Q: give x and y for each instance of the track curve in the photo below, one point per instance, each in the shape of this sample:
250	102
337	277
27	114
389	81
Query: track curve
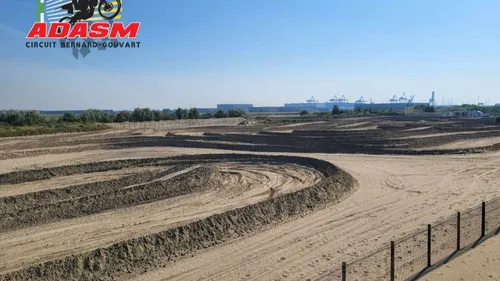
221	196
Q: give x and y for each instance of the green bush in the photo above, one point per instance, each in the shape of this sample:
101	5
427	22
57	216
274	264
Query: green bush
207	115
429	109
321	114
193	113
336	110
304	113
17	131
220	114
235	113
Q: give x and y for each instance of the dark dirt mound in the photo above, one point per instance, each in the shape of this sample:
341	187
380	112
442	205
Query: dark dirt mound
330	137
34	199
47	173
376	142
120	196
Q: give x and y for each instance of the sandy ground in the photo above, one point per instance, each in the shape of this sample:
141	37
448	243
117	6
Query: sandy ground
440	135
417	129
301	124
359	124
242	185
60	182
479	264
470	143
397	195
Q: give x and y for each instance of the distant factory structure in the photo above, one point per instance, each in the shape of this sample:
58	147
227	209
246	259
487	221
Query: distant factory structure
312	104
343	103
226	107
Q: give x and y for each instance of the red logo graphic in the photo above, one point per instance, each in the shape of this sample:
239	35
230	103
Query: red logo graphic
97	30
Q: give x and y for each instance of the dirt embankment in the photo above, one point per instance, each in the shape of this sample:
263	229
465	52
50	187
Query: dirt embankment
34	199
139	254
351	135
14	217
47	173
321	142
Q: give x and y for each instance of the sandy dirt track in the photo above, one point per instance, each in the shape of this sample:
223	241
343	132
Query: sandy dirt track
397	194
480	264
60	182
243	184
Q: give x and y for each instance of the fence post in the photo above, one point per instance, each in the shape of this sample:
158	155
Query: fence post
458	231
483	220
344	271
392	261
429	243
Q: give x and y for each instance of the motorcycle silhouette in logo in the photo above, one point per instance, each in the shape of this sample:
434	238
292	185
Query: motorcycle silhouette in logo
84	9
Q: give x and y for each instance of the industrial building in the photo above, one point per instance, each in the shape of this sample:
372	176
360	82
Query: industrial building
341	101
226	107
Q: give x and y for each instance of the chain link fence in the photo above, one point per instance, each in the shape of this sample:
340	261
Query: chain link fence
410	257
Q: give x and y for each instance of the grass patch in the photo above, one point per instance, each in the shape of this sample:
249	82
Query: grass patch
19	131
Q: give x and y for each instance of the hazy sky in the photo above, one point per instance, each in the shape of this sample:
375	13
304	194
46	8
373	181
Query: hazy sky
266	52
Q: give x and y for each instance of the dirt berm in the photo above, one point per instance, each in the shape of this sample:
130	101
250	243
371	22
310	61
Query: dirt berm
139	254
33	199
47	173
195	181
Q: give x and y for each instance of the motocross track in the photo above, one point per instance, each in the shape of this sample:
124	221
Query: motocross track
146	207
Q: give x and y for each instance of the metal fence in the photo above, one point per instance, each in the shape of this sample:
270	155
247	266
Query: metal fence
408	258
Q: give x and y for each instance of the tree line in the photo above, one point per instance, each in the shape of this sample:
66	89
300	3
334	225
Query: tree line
29	118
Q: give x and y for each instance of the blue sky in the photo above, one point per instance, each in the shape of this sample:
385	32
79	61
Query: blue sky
266	52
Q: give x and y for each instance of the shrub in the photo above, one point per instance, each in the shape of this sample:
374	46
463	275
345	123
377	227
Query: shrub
220	114
193	113
303	113
336	110
70	117
235	113
429	109
123	116
207	115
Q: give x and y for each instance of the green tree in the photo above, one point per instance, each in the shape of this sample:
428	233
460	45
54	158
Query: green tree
123	116
358	109
14	118
70	117
157	115
235	112
170	116
33	118
147	114
207	115
92	116
179	113
107	118
429	109
336	110
304	112
193	113
138	115
220	114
